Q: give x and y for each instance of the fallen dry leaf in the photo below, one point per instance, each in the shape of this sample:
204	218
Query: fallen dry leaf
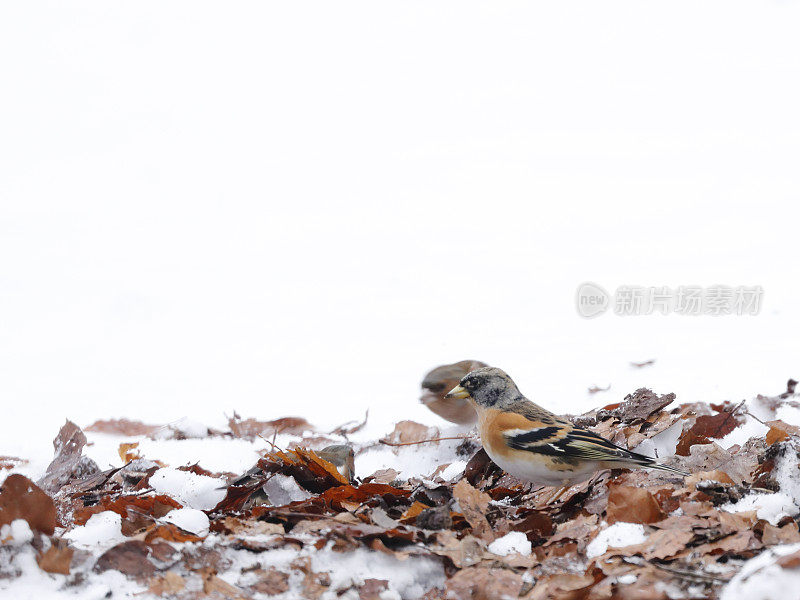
473	504
250	429
632	505
68	445
780	431
20	498
57	558
129	451
168	583
411	431
122	427
130	558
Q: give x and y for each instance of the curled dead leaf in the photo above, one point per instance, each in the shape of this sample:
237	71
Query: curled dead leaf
473	504
632	505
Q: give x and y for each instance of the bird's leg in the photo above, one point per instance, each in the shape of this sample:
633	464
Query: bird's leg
559	491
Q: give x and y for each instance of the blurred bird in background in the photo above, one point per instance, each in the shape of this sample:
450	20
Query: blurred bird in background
442	379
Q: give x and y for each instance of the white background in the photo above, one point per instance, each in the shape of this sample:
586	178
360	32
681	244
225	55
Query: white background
299	208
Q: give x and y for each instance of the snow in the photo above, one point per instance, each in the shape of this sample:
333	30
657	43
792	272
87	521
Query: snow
101	531
189	519
35	583
662	444
190	489
750	428
453	470
419	460
761	579
411	578
618	535
282	489
772	507
783	503
512	542
408	578
186	427
16	533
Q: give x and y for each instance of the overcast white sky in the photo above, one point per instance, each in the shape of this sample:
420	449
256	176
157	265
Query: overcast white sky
299	208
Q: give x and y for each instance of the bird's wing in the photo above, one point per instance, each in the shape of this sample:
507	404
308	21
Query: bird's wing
535	430
531	428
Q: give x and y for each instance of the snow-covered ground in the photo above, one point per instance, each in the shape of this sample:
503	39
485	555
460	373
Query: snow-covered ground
299	209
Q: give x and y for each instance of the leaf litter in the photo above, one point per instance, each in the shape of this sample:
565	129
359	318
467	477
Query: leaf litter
477	534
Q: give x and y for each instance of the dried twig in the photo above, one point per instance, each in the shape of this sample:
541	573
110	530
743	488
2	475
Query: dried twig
439	439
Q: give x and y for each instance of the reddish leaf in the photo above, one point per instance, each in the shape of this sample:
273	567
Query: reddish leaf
20	498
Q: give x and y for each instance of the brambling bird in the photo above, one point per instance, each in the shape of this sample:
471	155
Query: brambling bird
342	457
532	443
441	379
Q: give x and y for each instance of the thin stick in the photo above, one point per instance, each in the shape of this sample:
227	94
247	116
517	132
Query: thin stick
272	443
460	437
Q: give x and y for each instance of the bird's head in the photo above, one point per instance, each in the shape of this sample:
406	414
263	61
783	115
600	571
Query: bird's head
487	387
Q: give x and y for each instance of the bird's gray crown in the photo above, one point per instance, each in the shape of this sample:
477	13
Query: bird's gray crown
490	387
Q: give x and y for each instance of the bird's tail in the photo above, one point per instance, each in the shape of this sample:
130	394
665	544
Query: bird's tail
647	462
668	469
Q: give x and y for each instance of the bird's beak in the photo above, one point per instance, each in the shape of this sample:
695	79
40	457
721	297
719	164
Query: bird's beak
458	392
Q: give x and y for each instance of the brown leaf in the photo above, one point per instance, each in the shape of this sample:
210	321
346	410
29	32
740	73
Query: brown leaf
20	498
214	585
383	476
779	431
122	427
536	525
271	582
57	559
790	561
154	506
410	431
363	492
640	405
463	553
372	589
716	475
168	583
632	505
788	534
412	511
128	451
473	505
741	543
170	533
706	428
11	462
68	445
130	558
661	544
251	428
562	587
484	584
